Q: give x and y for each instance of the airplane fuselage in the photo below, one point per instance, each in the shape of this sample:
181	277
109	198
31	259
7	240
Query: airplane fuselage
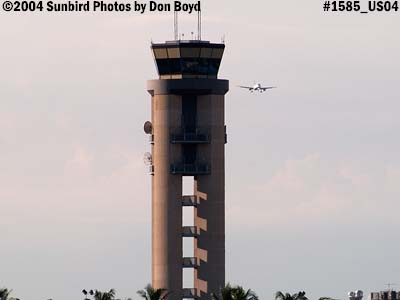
257	87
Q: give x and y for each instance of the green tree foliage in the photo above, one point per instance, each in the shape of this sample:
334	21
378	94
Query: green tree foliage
150	293
286	296
110	295
5	294
229	292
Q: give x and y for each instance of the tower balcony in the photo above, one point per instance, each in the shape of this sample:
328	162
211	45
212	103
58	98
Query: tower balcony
190	231
198	136
190	262
189	293
189	201
190	169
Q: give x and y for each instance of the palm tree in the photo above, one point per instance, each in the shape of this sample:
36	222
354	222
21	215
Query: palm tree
237	292
110	295
226	293
298	296
150	293
4	294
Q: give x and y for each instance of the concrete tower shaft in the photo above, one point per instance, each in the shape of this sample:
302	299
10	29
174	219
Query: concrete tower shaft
209	216
166	193
188	139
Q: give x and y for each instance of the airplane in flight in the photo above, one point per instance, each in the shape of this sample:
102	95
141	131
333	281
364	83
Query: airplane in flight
257	87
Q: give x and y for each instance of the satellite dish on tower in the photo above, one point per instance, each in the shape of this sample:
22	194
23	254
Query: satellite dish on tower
148	159
148	127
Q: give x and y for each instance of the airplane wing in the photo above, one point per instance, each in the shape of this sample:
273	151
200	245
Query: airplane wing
245	87
268	88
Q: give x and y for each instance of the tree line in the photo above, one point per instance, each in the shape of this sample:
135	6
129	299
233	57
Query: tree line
228	292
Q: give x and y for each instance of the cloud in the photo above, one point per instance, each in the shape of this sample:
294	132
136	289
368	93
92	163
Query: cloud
312	190
80	162
108	185
8	126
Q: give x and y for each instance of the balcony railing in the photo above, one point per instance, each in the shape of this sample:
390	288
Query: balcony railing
190	169
190	231
189	201
189	293
197	136
190	262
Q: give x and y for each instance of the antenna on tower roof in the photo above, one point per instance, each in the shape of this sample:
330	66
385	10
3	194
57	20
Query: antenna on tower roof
176	25
390	285
176	30
199	25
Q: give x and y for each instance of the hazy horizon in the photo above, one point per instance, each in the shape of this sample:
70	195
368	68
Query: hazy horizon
312	168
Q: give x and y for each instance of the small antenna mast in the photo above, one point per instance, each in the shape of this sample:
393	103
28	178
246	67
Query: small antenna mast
176	25
199	24
176	28
390	285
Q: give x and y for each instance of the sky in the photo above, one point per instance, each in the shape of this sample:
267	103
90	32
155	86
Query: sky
312	167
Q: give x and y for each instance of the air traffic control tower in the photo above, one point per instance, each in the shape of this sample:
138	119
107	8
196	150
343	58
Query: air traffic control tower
188	137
